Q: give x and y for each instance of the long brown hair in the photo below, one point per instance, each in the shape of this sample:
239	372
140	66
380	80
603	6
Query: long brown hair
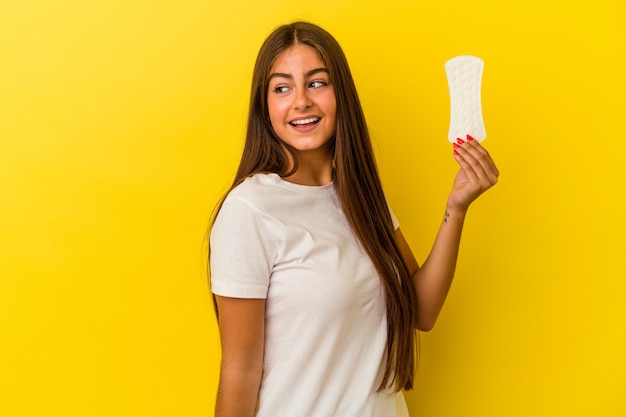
356	180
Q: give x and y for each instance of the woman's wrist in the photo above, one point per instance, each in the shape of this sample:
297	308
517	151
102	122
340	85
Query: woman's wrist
454	213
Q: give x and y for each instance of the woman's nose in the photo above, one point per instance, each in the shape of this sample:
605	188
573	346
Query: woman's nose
302	100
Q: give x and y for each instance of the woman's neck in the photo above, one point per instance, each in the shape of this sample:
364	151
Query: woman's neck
312	170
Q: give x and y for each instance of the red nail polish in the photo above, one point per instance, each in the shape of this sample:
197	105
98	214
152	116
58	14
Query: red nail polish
470	138
460	141
456	146
455	152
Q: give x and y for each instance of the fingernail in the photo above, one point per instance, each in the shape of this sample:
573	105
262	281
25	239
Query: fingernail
456	153
470	138
456	146
461	141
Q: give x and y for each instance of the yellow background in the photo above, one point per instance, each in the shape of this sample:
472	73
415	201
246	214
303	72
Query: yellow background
121	123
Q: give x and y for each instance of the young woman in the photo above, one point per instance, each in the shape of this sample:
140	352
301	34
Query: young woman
317	291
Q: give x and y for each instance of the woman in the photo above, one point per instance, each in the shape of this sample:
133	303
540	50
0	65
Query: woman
317	291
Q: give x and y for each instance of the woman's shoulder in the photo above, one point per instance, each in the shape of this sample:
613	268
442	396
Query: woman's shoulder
254	186
270	193
257	191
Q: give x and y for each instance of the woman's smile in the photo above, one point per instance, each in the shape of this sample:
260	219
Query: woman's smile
306	124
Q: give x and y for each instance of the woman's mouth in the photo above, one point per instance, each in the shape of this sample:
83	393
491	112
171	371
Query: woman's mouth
308	122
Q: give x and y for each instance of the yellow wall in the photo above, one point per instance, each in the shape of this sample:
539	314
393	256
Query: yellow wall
121	123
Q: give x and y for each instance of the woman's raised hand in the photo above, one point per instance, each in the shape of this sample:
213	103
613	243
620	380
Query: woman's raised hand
478	173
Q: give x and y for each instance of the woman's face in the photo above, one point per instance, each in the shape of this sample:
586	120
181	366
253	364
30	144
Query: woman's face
301	100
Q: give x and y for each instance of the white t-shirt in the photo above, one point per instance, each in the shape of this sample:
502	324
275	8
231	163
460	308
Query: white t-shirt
325	334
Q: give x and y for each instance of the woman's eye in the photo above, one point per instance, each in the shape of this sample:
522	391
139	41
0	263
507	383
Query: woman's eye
281	89
317	84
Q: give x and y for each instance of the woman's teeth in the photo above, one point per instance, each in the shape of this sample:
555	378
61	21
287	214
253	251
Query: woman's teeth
305	121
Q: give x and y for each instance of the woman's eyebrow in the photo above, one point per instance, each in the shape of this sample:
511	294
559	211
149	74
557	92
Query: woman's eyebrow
306	75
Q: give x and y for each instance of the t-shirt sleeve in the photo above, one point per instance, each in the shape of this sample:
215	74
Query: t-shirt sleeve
242	251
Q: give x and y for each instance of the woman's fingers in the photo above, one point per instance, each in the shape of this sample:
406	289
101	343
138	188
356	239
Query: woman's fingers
476	162
478	172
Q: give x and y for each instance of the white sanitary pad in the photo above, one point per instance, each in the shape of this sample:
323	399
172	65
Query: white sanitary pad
464	81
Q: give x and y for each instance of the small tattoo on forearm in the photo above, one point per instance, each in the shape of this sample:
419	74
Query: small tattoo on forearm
445	217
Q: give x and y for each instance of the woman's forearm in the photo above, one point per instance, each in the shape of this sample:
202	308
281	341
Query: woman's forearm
433	280
237	392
